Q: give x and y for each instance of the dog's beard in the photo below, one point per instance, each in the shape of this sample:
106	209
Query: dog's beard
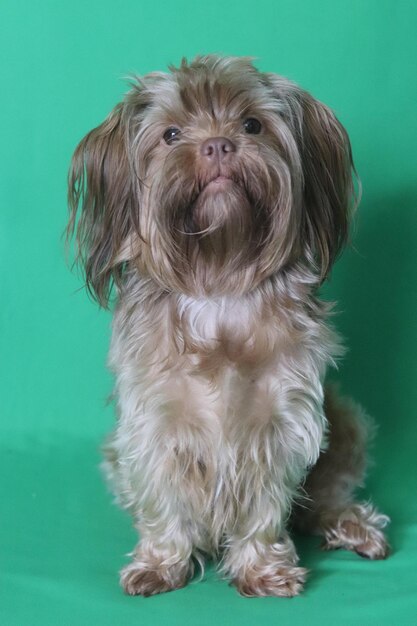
223	224
221	231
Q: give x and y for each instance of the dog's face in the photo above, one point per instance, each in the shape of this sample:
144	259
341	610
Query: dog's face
210	179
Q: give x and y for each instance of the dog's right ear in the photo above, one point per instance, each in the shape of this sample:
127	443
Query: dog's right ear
102	203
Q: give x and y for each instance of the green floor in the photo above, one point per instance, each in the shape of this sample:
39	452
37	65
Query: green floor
63	542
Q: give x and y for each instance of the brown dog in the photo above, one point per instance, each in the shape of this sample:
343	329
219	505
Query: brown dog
216	198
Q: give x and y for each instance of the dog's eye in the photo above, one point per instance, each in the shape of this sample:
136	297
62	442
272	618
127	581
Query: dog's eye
252	126
171	134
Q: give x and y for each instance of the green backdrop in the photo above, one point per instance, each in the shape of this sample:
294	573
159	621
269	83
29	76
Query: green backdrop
62	541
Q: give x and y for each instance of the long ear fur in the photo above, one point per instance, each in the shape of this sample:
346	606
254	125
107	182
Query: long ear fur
328	194
100	190
328	182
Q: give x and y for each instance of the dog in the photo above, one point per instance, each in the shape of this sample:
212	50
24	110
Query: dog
214	200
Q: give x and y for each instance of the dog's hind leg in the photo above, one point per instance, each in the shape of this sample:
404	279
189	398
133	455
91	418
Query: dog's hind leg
330	508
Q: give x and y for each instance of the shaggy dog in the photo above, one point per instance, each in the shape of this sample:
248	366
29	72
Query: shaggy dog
216	199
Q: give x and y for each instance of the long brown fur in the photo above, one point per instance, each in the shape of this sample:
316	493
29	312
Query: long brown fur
216	198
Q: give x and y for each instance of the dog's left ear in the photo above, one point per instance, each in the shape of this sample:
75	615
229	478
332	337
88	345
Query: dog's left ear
101	195
327	166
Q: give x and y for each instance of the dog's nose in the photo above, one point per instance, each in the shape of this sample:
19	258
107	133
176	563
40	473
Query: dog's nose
217	148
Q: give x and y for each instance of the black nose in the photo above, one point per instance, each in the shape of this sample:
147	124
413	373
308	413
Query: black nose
217	148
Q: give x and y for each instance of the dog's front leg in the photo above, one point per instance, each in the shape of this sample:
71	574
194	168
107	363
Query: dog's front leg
164	450
277	436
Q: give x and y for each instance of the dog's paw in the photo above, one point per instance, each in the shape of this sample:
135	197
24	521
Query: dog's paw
283	582
359	529
374	548
137	580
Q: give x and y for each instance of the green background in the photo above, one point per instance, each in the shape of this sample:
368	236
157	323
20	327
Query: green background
62	541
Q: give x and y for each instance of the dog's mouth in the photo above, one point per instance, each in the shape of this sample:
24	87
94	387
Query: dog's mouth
220	181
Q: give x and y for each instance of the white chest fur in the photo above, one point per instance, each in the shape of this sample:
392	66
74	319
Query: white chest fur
244	329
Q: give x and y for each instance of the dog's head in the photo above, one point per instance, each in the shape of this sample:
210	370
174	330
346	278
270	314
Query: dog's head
210	179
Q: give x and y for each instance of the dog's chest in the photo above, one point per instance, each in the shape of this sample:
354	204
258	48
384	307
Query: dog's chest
229	330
